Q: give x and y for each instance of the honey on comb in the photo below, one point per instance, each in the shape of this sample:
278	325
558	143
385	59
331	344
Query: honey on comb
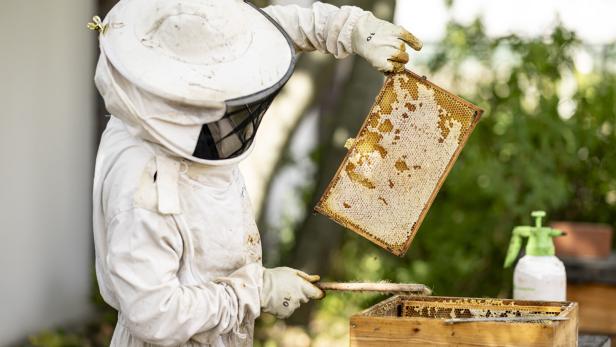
391	174
401	165
369	143
358	178
450	115
388	100
374	119
386	126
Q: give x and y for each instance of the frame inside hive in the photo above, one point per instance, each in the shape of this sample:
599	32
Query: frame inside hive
435	307
448	321
398	161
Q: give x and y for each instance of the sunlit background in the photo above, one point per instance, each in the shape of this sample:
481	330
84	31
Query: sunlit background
544	71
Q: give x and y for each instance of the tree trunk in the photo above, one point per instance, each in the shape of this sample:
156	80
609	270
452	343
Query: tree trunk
343	109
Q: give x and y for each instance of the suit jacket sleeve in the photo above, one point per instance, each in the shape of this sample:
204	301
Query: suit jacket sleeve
322	27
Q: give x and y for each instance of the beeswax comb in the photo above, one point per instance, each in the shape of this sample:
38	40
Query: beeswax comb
399	160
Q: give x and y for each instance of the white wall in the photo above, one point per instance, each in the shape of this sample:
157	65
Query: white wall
47	146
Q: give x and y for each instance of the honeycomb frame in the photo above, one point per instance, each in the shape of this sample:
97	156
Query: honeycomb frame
440	307
459	321
410	117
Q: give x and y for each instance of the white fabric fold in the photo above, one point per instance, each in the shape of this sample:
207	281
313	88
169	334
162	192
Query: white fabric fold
177	279
167	181
322	27
178	252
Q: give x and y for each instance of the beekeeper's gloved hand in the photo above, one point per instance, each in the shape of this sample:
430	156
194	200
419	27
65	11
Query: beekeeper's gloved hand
284	289
382	43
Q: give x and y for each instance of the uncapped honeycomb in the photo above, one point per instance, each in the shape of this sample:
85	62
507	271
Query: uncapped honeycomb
397	163
466	308
448	308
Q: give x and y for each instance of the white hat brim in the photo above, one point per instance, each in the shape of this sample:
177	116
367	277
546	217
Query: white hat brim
266	60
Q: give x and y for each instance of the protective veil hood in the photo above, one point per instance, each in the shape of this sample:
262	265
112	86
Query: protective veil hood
195	76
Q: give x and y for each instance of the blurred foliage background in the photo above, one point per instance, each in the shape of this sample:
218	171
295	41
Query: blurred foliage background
547	140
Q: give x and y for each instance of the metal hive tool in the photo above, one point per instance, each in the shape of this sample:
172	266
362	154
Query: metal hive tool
398	161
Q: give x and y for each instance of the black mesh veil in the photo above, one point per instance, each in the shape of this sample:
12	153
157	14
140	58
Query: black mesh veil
233	134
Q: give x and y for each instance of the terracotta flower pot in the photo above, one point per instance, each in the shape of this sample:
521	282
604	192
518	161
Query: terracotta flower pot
583	240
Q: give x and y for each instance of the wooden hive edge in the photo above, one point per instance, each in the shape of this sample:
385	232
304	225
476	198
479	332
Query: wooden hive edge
378	331
366	330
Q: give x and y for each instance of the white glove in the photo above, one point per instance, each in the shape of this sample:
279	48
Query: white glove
382	43
284	289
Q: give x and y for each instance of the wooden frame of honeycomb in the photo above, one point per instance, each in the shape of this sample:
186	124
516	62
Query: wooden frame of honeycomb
398	161
448	321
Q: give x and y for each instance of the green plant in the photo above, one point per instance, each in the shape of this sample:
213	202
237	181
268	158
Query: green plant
546	141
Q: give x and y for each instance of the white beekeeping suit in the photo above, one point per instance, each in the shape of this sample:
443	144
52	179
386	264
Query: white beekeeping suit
178	253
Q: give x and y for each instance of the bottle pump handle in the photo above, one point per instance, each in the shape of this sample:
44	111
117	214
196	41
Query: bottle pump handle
538	215
540	239
516	244
514	248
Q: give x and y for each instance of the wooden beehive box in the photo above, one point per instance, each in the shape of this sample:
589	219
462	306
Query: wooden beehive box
397	163
423	321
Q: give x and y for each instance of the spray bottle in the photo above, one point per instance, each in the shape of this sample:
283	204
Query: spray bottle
539	275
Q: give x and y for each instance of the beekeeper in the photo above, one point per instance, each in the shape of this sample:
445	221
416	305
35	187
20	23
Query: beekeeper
187	83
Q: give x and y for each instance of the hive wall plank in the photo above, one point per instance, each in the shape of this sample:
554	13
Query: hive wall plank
371	328
597	306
